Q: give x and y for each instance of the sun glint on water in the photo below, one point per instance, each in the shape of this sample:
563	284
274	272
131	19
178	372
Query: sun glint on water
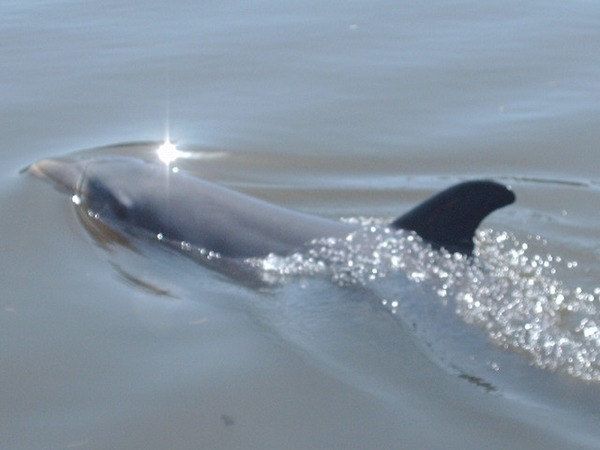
168	152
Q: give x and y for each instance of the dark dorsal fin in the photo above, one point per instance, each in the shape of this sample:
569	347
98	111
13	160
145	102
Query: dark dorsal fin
449	219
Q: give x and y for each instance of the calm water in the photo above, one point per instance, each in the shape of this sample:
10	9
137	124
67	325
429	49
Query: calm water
354	110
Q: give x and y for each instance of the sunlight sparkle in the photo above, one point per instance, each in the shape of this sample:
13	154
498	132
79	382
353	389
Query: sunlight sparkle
168	152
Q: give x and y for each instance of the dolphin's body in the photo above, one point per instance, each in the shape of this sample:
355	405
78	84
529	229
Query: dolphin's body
133	196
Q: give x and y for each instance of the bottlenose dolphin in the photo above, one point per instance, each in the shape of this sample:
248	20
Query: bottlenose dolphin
137	197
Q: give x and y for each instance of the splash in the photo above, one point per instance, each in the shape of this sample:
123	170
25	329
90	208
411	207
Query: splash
506	289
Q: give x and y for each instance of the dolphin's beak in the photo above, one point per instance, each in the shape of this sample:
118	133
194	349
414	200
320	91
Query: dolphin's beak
65	175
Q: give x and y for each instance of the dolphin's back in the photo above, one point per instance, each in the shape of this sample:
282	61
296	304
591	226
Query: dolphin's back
187	209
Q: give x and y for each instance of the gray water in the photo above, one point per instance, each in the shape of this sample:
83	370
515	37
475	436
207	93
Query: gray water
354	110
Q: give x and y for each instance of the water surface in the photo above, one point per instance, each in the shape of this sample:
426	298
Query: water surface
356	110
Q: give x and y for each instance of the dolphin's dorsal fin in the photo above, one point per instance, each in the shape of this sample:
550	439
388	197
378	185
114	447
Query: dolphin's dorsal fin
449	219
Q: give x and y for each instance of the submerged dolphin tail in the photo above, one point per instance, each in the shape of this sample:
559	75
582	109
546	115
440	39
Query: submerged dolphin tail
449	219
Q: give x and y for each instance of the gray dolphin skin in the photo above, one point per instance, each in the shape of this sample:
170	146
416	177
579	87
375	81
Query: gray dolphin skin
138	197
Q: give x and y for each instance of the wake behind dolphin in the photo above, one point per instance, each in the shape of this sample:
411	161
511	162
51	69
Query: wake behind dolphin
135	197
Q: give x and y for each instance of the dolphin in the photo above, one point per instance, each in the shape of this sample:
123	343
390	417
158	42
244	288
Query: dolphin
141	198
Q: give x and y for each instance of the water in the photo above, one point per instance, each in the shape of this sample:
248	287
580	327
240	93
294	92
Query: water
351	110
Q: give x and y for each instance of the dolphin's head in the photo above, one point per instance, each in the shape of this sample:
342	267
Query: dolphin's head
106	186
